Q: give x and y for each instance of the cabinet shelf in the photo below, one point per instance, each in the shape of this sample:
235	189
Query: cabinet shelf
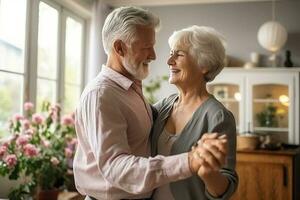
272	129
227	100
266	101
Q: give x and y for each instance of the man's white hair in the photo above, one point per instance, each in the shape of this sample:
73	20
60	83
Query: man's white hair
205	45
121	24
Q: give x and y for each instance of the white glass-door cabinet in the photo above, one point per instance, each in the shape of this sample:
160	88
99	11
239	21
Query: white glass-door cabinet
263	100
229	90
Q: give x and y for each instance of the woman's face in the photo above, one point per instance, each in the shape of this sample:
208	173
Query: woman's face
183	68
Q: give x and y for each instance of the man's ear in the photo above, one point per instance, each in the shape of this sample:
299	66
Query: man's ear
120	47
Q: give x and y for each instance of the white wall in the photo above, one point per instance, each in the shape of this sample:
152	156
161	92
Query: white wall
239	22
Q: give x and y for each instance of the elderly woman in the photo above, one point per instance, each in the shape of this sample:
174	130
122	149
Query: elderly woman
197	56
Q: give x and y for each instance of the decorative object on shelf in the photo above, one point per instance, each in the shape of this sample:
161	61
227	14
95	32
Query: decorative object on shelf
38	151
267	118
220	92
272	36
271	142
249	65
255	58
288	62
152	87
247	142
254	61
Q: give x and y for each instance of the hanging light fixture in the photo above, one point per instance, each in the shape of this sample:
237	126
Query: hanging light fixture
272	36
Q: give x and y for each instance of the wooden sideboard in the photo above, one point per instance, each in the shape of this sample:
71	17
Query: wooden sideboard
268	175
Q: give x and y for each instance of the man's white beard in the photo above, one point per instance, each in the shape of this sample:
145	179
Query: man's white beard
139	72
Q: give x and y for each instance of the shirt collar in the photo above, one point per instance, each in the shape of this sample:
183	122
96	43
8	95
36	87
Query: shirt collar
118	78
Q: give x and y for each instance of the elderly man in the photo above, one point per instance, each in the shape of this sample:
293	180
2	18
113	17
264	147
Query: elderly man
113	120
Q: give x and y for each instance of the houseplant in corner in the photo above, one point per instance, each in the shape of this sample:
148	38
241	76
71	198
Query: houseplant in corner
153	86
38	151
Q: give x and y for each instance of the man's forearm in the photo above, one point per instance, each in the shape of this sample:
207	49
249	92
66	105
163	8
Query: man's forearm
139	175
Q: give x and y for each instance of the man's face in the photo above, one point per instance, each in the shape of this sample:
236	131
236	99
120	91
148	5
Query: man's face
140	53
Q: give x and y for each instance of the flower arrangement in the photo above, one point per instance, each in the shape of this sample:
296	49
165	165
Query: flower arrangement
40	150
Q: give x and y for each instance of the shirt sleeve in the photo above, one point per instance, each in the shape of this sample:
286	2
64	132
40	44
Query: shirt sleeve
224	123
106	131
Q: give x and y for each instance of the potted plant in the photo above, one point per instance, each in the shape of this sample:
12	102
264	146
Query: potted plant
153	86
39	151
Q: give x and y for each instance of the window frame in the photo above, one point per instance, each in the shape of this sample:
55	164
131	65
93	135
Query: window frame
30	74
23	74
31	46
65	14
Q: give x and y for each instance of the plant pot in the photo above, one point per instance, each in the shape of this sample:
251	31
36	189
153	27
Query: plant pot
7	185
48	194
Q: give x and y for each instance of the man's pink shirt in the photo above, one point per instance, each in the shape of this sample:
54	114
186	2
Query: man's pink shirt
113	160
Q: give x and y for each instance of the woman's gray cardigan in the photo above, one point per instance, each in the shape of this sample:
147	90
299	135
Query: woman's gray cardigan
210	117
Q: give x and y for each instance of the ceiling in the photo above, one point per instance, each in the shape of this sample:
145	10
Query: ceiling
116	3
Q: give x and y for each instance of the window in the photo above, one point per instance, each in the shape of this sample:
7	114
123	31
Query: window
12	51
47	54
54	72
73	63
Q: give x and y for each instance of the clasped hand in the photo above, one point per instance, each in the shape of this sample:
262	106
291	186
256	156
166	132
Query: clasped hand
208	156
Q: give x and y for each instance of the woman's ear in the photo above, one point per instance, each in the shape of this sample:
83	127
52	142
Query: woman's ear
119	47
204	70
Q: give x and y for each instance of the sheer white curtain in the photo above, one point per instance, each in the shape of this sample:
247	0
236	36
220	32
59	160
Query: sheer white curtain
97	56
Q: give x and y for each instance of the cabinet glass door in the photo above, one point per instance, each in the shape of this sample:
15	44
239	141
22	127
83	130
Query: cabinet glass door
271	108
230	96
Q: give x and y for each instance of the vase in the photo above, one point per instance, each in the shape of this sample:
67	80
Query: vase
48	194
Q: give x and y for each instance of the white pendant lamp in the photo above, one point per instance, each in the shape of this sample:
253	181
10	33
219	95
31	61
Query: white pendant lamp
272	36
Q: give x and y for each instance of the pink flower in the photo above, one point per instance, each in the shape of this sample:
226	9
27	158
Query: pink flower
68	152
26	124
28	106
37	118
54	161
29	131
23	139
30	150
74	141
7	142
17	117
11	160
45	143
67	120
3	150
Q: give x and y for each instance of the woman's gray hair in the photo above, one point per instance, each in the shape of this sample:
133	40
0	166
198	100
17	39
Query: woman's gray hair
121	24
205	45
